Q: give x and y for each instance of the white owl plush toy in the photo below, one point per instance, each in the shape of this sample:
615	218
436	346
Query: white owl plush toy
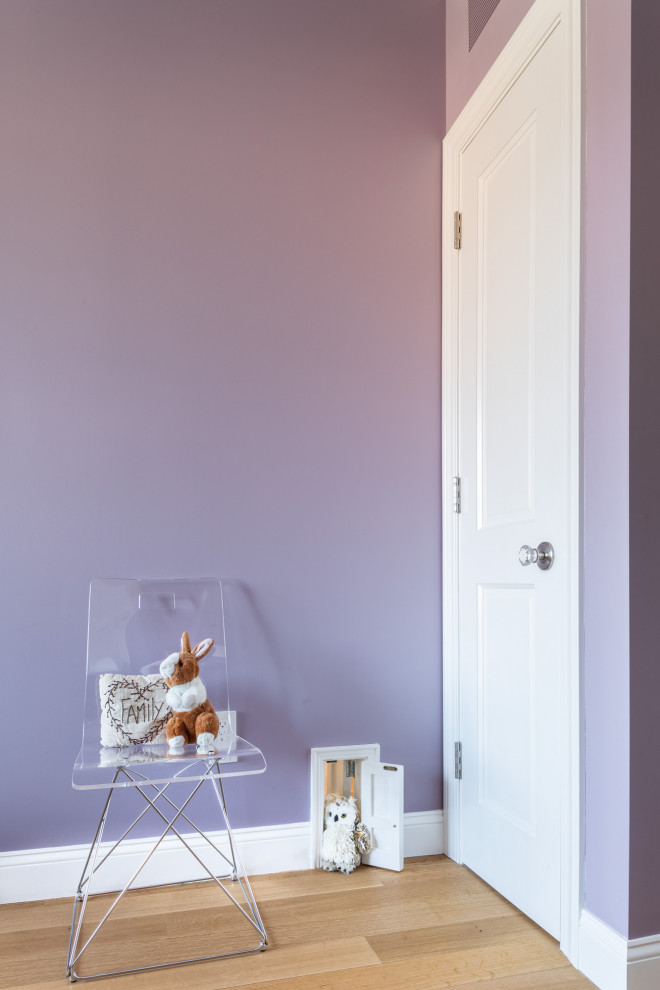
344	838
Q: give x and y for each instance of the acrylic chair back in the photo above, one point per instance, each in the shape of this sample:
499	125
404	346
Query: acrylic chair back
134	624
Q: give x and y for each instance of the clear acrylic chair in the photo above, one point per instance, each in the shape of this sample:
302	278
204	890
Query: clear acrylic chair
134	625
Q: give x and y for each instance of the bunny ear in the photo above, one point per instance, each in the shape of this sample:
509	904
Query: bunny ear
202	649
185	643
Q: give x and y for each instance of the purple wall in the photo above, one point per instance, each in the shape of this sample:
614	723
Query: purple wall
220	316
606	294
644	475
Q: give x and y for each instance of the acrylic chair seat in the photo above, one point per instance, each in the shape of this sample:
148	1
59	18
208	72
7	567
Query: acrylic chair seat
133	625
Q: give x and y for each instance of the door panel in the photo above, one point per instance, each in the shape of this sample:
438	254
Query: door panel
506	220
506	703
512	411
382	813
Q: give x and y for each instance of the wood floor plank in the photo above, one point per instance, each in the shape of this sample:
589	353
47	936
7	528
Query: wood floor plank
504	930
34	915
566	978
310	882
432	972
281	966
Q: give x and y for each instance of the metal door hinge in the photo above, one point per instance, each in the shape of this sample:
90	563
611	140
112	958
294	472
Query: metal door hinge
457	494
458	761
458	230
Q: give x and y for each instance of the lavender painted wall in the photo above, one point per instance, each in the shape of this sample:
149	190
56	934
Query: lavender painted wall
606	294
220	326
644	475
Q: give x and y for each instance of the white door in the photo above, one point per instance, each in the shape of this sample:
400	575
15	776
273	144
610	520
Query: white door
381	796
513	465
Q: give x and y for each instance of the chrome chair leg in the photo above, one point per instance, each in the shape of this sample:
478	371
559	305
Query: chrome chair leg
250	911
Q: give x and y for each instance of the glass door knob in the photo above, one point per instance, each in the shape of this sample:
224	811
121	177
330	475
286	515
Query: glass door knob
543	556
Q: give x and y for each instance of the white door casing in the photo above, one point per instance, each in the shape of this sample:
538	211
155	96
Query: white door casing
380	789
319	756
511	432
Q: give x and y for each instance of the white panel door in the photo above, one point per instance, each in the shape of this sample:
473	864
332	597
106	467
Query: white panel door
512	412
381	796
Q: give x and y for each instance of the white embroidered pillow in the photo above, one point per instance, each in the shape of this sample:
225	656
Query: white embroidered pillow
133	709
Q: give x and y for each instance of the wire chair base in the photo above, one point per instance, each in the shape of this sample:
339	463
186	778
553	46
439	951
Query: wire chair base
171	816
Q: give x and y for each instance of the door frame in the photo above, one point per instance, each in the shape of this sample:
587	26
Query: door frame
544	17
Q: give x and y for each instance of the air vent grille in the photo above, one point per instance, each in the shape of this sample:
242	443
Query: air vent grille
479	12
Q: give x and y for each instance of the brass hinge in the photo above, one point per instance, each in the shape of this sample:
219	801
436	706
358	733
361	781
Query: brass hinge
457	494
458	761
458	230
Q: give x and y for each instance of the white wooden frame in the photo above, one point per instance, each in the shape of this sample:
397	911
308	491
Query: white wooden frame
320	755
544	17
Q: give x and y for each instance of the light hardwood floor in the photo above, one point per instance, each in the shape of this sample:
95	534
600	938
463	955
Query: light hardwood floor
433	925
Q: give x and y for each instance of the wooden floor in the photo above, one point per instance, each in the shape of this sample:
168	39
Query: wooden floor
433	925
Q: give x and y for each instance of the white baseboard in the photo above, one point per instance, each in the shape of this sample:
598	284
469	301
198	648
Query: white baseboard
423	833
614	963
39	874
602	953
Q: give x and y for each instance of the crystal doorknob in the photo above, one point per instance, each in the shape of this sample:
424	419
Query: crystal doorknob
543	556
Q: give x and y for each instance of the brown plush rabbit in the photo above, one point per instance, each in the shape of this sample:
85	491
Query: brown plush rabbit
193	716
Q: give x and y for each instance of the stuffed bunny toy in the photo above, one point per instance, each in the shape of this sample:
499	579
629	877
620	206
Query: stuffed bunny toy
193	716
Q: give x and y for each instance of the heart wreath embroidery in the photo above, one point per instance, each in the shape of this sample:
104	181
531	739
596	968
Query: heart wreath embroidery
133	709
